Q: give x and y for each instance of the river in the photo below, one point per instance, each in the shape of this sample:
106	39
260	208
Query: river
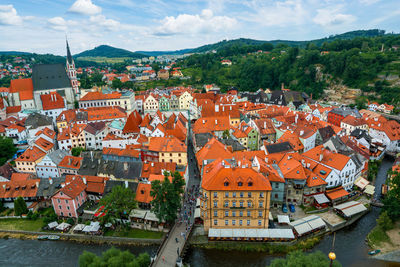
350	247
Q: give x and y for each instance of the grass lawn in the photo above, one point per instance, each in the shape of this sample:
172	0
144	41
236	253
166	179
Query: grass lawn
135	233
376	236
21	224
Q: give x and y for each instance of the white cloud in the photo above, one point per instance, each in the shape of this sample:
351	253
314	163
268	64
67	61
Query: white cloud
281	13
57	23
330	17
9	16
103	22
368	2
85	7
200	23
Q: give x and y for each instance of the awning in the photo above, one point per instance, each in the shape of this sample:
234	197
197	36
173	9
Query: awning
251	233
52	225
138	213
336	193
283	219
361	182
79	227
308	224
150	216
63	226
351	208
369	189
197	213
321	198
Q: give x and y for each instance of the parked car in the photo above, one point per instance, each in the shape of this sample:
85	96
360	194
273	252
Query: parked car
284	208
291	208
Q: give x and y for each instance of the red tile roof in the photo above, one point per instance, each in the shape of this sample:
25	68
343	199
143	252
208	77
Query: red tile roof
22	86
217	177
71	162
73	188
14	189
133	122
336	193
166	144
143	193
100	96
31	154
52	100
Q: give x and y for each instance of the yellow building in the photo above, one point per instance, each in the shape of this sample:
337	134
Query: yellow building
28	160
78	135
169	149
233	195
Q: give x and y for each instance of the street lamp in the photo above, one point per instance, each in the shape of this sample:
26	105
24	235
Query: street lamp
332	257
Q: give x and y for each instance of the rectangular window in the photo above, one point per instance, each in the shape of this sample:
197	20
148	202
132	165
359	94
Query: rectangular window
215	204
226	194
249	204
234	204
233	222
241	194
259	223
260	204
241	213
259	213
248	222
226	222
249	194
234	194
261	194
233	213
226	213
215	222
241	204
248	213
215	194
215	213
226	204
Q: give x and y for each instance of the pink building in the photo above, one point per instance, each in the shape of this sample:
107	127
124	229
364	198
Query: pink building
69	198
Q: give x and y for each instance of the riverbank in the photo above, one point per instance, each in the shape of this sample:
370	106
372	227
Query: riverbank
84	239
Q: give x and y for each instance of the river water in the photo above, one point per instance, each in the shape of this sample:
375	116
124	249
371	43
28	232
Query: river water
350	247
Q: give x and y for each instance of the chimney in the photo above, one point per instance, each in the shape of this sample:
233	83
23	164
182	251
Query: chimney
239	163
84	180
223	108
37	184
265	125
321	157
204	121
55	97
152	164
230	107
126	184
125	166
216	122
50	181
4	186
51	96
217	108
301	132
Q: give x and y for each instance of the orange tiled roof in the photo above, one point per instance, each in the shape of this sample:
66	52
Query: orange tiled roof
17	177
336	193
217	177
211	124
212	150
44	144
351	120
129	151
14	109
52	101
327	157
132	123
14	189
105	113
73	188
22	86
94	184
71	162
143	193
100	96
166	144
157	168
31	154
48	132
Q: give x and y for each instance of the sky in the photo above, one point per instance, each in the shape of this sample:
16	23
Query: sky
41	26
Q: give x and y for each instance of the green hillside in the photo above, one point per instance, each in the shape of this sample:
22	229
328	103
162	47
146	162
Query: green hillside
108	51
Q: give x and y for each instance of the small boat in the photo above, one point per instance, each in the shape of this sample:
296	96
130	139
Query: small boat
42	237
374	252
53	237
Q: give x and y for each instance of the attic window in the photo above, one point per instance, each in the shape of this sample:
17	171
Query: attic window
240	184
142	192
226	183
250	183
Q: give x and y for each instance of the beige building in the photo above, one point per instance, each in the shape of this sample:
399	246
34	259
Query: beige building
169	149
150	104
233	195
29	159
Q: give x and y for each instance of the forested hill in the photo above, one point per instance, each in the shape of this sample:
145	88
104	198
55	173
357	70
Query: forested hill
356	63
108	51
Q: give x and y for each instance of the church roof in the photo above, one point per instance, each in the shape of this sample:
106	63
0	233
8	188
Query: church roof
49	76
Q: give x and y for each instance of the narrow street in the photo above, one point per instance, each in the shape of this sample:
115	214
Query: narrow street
172	248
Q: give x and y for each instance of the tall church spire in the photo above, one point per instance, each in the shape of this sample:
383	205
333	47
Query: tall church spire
69	56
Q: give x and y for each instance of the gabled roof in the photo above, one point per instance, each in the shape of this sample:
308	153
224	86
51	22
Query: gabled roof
100	96
22	86
157	168
50	76
132	123
44	144
211	124
31	154
71	162
212	150
166	144
217	176
52	100
95	127
143	193
73	187
327	157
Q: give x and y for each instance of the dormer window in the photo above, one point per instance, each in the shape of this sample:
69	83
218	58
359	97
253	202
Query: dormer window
240	184
226	183
250	184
